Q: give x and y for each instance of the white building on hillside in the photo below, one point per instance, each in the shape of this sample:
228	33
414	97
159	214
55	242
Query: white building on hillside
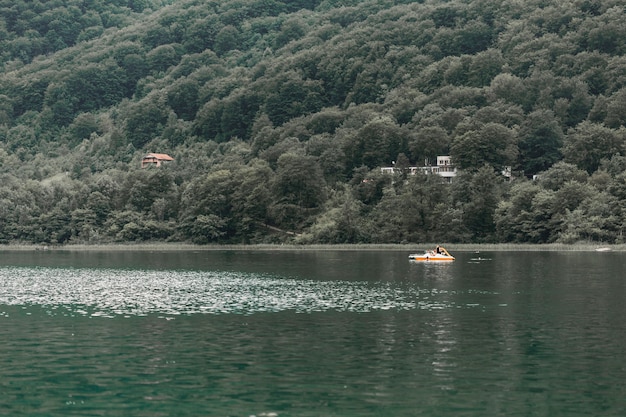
444	168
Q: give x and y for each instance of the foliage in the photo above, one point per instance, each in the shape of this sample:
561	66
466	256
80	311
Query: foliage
280	114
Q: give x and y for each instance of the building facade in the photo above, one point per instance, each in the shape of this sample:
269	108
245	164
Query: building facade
444	168
155	159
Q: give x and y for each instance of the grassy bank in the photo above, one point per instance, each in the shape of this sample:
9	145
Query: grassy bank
456	247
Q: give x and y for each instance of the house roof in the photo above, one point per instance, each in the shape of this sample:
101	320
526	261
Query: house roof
160	156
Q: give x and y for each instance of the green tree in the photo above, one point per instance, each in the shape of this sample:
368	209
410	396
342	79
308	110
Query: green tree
367	185
251	198
478	195
340	222
100	205
206	204
162	57
298	188
292	29
146	186
145	120
226	40
289	96
616	110
429	142
299	180
182	97
484	67
514	216
375	144
325	121
595	219
560	174
492	144
540	141
96	86
409	209
330	155
206	228
54	226
82	127
237	115
60	105
201	33
6	110
372	82
393	219
207	123
542	228
135	67
589	143
512	89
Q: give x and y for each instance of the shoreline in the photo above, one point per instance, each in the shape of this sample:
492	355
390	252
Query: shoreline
458	247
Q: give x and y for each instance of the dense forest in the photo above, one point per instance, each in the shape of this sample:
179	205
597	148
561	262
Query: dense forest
280	114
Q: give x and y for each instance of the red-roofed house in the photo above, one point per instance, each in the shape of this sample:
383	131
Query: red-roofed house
155	159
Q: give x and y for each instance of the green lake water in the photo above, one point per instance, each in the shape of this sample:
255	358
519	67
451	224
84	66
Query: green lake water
311	333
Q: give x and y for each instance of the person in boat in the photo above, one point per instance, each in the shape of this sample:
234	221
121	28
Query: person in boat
438	250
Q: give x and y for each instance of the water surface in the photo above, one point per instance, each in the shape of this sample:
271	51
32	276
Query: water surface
311	333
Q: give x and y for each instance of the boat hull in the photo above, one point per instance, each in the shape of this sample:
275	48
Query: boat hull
430	258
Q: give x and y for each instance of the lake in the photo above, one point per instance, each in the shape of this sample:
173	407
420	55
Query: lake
311	333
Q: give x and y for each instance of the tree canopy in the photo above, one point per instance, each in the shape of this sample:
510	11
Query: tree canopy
279	115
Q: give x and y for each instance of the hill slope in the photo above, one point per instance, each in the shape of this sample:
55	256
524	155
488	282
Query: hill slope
279	114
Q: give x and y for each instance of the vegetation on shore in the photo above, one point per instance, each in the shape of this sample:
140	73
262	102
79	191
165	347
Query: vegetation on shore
409	248
279	115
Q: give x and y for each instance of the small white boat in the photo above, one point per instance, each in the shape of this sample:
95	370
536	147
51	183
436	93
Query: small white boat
440	254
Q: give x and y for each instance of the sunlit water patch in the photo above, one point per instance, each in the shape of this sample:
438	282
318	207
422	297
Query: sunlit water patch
112	292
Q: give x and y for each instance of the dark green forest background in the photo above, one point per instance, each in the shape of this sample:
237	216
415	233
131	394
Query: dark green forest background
279	115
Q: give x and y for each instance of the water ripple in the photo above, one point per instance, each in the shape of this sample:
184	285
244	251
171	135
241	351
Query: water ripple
113	292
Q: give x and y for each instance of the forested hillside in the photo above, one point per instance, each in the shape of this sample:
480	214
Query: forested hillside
279	115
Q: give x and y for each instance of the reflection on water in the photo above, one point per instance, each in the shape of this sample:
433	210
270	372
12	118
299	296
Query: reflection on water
444	362
110	293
